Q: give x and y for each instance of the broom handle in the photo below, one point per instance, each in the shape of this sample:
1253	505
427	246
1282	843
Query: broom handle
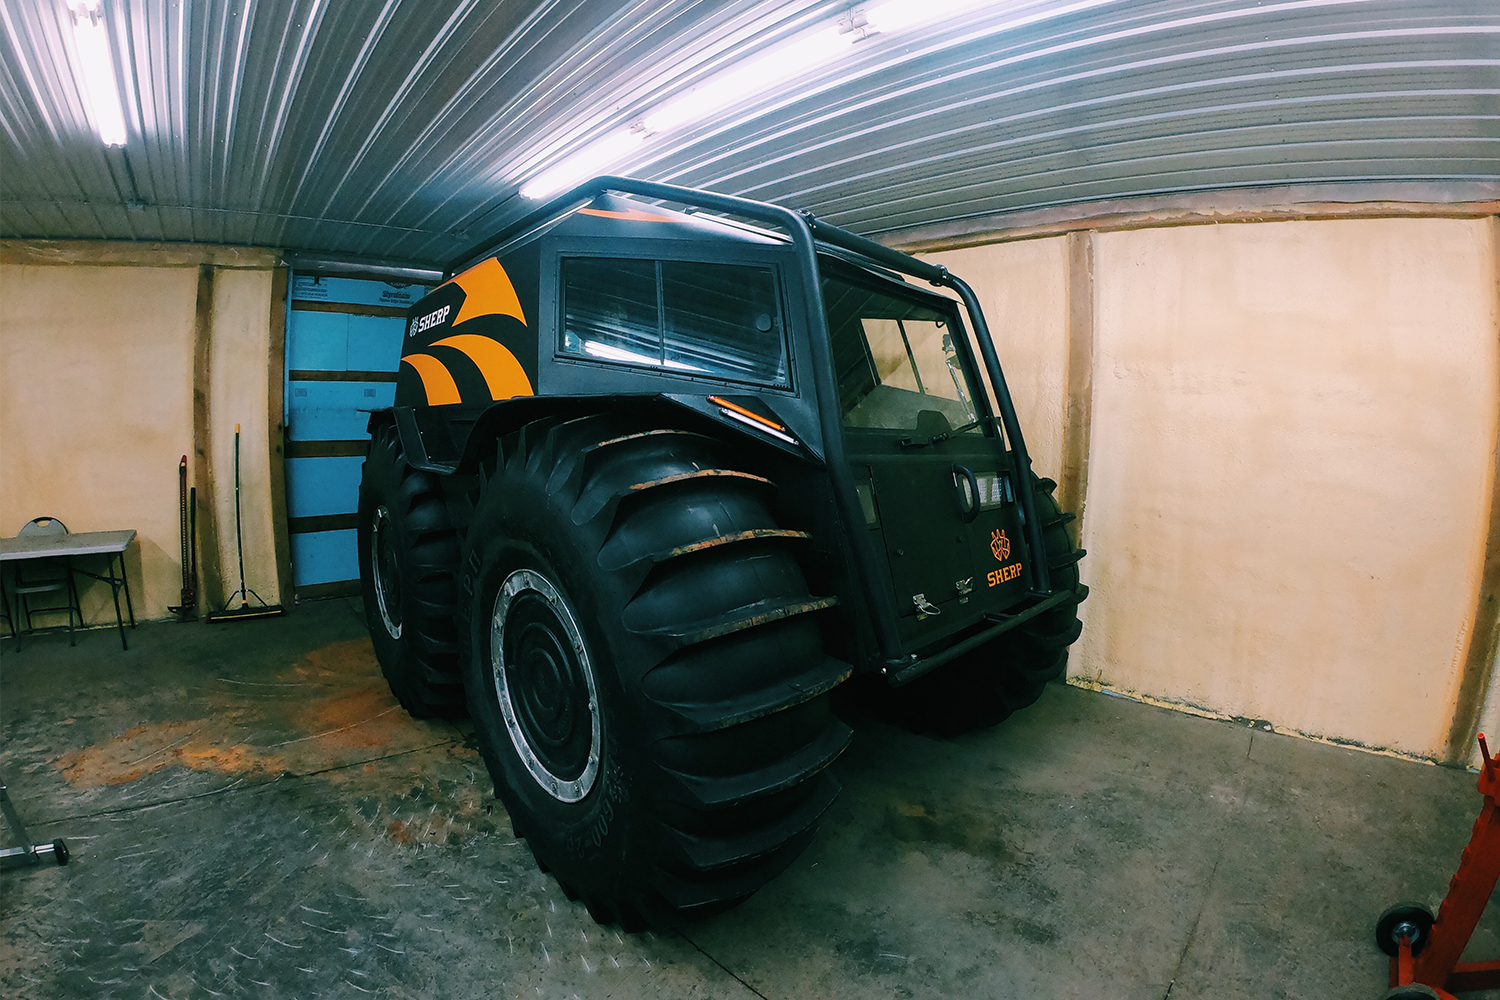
239	537
182	519
192	601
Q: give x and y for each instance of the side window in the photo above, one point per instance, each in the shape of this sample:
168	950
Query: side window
714	320
722	319
610	310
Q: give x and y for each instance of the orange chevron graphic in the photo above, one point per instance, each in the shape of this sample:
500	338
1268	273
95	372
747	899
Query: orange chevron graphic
437	383
487	292
633	215
502	372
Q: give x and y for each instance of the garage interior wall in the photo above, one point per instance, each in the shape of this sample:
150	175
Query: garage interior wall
1290	434
103	352
1280	436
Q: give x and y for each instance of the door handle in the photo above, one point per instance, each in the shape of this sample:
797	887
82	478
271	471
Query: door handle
972	510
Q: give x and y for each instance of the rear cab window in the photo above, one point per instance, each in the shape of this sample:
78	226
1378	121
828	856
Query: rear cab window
688	318
896	361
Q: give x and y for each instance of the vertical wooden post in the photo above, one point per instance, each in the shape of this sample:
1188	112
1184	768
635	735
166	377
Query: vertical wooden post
276	427
211	580
1072	492
1484	636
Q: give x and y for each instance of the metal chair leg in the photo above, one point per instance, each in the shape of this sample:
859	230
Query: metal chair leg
27	853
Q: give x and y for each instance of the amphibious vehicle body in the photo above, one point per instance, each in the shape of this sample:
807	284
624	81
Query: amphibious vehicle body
666	467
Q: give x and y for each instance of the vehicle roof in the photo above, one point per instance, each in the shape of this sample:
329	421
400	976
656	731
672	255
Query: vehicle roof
613	217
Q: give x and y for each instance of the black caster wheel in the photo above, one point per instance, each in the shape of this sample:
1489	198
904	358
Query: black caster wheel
60	851
1409	918
1414	991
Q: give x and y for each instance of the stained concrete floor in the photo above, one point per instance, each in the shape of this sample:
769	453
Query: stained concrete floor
251	815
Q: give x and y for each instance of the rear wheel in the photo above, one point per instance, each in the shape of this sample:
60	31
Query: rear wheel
647	678
408	552
986	685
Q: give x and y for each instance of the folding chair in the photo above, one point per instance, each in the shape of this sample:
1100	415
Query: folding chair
45	576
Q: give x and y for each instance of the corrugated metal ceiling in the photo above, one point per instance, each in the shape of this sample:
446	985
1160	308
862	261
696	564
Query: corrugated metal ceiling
402	129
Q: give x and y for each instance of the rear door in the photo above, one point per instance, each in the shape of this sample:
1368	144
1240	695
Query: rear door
936	483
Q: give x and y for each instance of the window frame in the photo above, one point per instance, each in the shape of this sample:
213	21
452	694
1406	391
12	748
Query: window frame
665	252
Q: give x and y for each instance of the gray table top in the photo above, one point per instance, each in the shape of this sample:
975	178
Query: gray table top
78	543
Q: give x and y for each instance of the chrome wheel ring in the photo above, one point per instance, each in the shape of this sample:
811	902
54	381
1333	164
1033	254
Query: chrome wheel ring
544	681
386	571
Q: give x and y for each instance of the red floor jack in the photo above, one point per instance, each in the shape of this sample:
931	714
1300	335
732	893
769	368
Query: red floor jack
1425	951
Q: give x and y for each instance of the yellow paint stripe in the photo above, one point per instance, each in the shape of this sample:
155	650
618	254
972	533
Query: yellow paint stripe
436	380
502	372
487	292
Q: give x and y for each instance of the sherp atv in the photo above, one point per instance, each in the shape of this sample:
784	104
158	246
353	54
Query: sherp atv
656	481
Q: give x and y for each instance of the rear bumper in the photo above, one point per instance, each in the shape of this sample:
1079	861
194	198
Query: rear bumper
905	671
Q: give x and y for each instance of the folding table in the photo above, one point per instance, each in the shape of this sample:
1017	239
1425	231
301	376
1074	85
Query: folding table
70	546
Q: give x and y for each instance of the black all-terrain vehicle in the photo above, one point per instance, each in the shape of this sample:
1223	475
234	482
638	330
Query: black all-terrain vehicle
656	481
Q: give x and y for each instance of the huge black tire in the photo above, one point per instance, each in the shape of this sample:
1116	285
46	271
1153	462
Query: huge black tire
988	684
408	553
647	675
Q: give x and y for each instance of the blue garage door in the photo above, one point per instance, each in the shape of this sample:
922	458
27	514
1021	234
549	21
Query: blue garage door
343	346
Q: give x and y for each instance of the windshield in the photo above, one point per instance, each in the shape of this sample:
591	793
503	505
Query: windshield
897	365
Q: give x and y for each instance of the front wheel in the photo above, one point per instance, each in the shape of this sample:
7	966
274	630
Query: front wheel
647	675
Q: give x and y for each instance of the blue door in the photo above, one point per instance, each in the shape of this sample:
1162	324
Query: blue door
343	347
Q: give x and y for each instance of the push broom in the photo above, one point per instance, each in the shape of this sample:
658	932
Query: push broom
246	610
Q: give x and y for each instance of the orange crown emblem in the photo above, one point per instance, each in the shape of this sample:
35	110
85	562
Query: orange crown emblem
1000	545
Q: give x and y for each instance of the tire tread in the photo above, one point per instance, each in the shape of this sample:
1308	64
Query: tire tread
665	508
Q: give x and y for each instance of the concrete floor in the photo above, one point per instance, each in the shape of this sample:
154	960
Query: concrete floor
251	815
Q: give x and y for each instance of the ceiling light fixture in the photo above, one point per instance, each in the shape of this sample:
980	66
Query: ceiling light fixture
752	77
757	75
898	15
97	68
588	161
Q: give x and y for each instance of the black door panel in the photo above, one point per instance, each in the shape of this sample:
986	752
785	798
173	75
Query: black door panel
925	538
962	561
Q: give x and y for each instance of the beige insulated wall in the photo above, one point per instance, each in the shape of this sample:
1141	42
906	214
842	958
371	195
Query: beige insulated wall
96	377
102	355
1289	475
1023	288
241	345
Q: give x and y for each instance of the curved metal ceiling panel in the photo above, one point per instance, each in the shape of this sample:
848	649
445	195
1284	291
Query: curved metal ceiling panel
402	129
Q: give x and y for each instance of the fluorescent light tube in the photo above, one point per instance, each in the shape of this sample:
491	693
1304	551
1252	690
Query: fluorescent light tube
97	69
896	15
583	164
752	77
758	74
762	73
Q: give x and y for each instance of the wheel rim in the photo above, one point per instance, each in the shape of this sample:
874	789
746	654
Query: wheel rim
545	684
386	571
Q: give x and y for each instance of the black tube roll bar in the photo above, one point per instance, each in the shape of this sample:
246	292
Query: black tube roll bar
939	275
805	232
